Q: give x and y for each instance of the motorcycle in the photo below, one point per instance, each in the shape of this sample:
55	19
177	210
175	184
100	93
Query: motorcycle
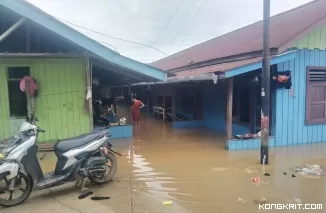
86	156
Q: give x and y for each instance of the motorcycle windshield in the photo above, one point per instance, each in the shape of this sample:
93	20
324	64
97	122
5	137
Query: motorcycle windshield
25	127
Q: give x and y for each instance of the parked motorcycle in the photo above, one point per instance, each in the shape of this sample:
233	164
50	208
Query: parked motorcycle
86	156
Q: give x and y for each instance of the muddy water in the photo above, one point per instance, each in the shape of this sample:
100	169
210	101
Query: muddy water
192	169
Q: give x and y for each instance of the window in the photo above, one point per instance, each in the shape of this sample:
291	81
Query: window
316	92
17	98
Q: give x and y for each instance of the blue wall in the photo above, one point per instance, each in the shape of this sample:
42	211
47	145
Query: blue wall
290	110
215	110
214	97
125	131
181	111
188	124
254	143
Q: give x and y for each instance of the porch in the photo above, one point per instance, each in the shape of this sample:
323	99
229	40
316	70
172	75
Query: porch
229	104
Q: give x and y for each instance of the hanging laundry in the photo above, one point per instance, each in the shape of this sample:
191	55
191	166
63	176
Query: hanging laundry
282	79
32	85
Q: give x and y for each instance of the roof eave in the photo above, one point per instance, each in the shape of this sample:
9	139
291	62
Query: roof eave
31	12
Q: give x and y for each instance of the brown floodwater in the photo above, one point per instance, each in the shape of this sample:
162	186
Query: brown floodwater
192	169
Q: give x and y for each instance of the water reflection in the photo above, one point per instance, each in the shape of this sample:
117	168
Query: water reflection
154	181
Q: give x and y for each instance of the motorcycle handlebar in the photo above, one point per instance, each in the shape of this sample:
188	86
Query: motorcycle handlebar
40	130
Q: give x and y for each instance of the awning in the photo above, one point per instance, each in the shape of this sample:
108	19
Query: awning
177	79
225	70
235	68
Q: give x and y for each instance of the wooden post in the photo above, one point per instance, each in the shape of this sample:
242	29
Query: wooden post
174	106
229	108
89	88
128	104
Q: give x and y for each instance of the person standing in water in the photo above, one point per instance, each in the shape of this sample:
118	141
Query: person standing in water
135	109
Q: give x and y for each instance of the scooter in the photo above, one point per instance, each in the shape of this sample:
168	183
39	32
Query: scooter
86	156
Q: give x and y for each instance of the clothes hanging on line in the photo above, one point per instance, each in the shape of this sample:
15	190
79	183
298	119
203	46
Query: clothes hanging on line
282	79
32	85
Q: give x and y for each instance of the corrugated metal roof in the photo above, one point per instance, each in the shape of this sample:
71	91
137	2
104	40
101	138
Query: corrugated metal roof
284	28
218	67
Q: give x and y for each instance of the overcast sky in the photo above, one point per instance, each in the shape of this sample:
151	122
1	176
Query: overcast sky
168	25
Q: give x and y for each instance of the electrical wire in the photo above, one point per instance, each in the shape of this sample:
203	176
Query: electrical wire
246	10
193	22
120	39
168	22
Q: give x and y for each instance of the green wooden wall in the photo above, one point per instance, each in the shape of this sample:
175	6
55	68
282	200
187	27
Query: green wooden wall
314	40
60	104
4	106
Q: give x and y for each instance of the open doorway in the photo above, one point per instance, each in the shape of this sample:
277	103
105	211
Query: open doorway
110	104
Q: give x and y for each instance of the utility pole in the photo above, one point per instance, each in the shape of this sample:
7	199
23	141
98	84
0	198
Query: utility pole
265	86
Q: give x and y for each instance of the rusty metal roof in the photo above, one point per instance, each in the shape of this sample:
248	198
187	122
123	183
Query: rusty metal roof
228	69
285	28
218	67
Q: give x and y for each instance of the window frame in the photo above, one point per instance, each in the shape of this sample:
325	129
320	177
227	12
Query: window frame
308	121
16	79
237	102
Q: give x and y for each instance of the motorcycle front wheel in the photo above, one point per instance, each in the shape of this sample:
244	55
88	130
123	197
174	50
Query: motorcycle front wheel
20	192
111	169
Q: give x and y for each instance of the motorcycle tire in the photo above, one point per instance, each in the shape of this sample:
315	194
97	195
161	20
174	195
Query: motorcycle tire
23	197
113	168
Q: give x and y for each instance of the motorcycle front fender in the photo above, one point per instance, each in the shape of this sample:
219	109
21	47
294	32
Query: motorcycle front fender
9	169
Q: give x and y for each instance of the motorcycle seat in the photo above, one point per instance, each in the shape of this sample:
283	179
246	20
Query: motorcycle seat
76	142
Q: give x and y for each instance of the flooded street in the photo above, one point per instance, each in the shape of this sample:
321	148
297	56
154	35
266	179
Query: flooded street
192	169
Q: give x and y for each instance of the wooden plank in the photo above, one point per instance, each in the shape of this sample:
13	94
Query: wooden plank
229	108
8	32
301	96
89	86
323	39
